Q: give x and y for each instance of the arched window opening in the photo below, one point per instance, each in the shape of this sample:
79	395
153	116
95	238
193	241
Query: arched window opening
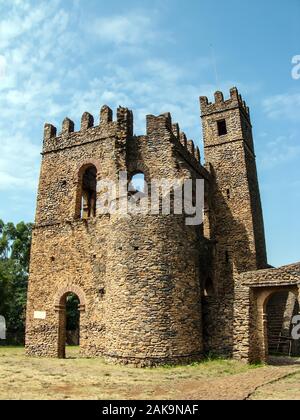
89	193
137	184
69	324
209	289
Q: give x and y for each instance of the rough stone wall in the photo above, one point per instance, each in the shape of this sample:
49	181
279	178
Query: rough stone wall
154	295
275	311
138	278
64	256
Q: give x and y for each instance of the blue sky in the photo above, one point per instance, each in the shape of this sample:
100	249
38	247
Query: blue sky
62	58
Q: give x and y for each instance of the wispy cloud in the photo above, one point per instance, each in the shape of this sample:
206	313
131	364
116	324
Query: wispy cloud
153	86
285	106
279	151
29	86
18	162
131	29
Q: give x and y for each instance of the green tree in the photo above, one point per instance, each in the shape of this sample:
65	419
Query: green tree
15	243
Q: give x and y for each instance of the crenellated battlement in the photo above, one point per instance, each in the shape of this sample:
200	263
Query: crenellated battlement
162	126
220	104
67	137
121	128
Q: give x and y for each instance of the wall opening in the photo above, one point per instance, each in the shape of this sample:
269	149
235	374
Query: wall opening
222	127
209	290
280	310
137	183
88	192
227	257
69	326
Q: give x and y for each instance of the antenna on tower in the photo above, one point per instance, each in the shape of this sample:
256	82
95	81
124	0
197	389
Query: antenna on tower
214	63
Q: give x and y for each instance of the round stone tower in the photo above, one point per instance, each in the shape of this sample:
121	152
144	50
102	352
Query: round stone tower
153	310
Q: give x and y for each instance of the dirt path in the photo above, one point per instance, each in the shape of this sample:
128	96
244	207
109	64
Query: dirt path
236	387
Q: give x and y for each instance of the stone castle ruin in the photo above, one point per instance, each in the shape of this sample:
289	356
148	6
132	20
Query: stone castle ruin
153	290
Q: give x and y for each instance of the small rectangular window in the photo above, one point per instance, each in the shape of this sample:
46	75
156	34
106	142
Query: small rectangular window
222	128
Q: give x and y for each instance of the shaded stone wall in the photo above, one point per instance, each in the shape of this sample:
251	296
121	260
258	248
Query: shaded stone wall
281	309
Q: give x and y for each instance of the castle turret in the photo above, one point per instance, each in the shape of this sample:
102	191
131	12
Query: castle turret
229	149
236	228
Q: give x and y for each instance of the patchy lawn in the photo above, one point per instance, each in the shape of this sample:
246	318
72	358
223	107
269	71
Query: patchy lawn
77	378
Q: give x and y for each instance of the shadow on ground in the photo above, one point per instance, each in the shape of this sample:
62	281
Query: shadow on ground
283	361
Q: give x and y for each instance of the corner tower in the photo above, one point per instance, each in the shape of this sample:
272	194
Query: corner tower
234	220
229	149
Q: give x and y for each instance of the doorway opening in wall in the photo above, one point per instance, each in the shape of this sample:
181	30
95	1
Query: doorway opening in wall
69	326
281	308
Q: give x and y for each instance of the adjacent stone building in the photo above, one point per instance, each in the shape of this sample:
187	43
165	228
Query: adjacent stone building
153	289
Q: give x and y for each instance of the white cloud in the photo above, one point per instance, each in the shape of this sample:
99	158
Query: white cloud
152	87
284	106
30	88
279	151
19	161
130	29
21	19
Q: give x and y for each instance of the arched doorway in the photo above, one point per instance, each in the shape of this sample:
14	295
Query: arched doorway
70	307
281	307
274	310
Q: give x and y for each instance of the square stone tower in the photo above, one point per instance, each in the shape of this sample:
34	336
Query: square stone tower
236	220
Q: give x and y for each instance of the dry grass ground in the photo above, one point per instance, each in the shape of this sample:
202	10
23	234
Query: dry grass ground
77	378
